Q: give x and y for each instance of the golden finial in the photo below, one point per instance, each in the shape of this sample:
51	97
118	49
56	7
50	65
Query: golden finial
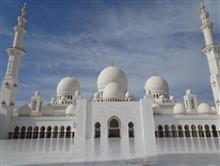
23	10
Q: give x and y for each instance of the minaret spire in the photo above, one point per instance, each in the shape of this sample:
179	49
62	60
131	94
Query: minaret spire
212	51
10	81
23	10
206	25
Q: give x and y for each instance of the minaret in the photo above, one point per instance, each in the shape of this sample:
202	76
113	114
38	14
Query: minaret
10	80
212	51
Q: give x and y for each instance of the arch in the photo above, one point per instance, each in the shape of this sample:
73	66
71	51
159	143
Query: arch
173	130
160	130
214	131
29	132
201	133
16	132
68	132
131	130
23	132
207	131
62	128
42	130
114	127
97	130
49	128
180	130
35	133
194	132
55	131
167	131
187	132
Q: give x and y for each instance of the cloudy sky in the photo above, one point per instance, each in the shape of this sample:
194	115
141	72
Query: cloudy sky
141	37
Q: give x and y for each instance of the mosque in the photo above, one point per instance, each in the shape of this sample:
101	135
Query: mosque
112	112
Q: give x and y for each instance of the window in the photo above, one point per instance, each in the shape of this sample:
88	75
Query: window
114	128
131	130
97	130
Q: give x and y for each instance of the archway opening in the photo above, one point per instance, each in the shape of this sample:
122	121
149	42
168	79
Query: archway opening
160	131
62	128
214	131
29	132
97	130
114	128
173	130
68	132
16	132
167	131
207	131
42	130
201	133
35	134
131	130
23	132
187	132
55	132
180	130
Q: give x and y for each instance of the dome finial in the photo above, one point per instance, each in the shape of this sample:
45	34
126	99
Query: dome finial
70	72
154	74
23	10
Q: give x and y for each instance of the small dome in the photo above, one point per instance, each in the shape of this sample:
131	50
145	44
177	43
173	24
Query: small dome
70	110
157	84
188	92
68	85
113	90
47	110
204	108
112	74
179	108
37	93
24	110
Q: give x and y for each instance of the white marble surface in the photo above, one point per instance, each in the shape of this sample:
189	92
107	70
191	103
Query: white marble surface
170	151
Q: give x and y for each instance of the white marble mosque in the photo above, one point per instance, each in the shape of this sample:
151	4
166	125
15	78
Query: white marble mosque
112	112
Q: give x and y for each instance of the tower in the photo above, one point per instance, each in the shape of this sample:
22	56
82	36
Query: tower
212	51
190	101
10	80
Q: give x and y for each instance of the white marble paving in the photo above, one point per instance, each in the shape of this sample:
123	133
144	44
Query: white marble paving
170	151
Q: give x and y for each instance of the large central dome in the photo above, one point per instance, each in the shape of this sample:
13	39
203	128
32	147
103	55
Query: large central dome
112	74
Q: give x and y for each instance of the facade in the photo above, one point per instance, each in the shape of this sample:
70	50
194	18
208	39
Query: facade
112	112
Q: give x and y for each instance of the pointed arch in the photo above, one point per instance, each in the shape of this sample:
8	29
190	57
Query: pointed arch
114	126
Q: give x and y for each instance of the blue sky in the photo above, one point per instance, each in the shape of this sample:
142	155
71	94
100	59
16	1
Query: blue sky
140	36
